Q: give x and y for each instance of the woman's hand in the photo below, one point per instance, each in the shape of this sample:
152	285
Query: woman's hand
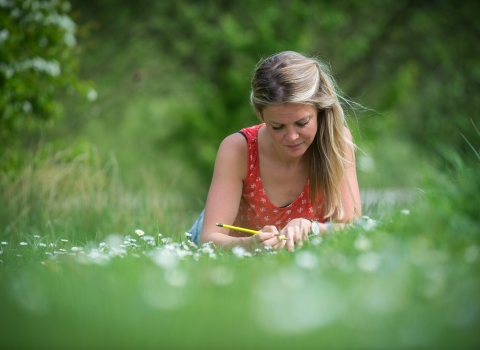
296	231
268	236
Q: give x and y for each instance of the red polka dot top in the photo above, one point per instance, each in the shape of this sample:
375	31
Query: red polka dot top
256	210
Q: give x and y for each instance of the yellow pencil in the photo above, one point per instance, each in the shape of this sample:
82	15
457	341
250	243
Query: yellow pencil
240	229
246	230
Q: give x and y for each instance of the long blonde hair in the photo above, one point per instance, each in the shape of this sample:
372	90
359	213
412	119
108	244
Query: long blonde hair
289	77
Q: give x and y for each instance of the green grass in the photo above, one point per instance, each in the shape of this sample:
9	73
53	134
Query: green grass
410	281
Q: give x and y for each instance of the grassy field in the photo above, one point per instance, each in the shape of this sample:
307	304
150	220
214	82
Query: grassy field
75	273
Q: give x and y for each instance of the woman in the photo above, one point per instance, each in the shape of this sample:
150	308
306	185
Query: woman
290	175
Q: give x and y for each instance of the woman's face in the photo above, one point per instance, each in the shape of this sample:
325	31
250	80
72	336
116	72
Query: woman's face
292	127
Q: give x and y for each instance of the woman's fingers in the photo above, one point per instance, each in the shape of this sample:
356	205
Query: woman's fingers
290	236
295	235
268	236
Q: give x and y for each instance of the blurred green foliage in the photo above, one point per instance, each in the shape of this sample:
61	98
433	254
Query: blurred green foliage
37	63
173	78
177	73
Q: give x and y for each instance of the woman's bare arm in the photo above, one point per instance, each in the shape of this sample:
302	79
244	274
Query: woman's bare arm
224	197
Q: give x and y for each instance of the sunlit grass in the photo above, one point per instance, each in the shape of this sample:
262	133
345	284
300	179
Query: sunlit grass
75	195
408	278
380	286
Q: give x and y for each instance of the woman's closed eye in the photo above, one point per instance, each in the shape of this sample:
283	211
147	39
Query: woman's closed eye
303	124
299	124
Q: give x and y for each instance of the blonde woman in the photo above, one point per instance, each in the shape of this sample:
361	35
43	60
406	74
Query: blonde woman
291	175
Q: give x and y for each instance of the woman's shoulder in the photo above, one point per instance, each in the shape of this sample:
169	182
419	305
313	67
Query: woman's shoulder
251	132
240	140
236	140
232	156
233	146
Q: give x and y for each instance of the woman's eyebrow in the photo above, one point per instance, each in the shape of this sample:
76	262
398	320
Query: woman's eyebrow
304	119
296	121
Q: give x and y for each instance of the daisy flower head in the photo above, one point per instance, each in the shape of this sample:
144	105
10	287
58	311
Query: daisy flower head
208	250
23	243
64	240
239	252
139	232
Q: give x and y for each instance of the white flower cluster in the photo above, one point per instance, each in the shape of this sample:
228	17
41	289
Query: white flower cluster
366	223
38	64
44	13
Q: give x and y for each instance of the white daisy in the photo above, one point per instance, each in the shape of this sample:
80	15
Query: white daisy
239	252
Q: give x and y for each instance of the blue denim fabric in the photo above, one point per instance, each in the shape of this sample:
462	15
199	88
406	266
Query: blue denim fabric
196	229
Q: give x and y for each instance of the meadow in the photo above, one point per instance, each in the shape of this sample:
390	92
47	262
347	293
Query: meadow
88	262
104	167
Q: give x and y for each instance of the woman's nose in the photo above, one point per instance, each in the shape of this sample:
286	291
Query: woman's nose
291	135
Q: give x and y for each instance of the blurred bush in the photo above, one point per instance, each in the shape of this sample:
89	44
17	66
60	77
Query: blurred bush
37	63
415	64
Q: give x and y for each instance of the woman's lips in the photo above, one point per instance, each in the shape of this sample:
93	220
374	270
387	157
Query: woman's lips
293	146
